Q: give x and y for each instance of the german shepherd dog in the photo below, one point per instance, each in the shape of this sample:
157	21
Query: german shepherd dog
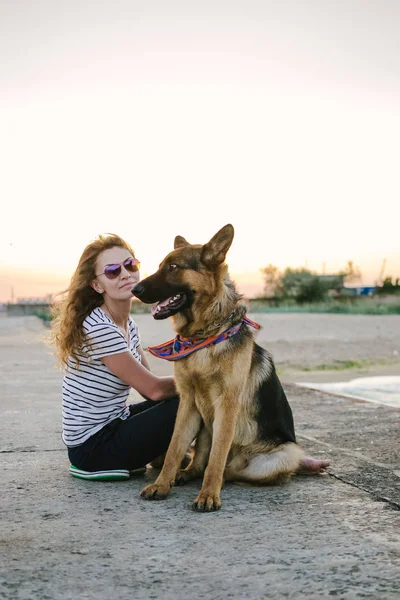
231	399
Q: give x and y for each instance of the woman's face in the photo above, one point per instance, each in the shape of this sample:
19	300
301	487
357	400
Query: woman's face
119	287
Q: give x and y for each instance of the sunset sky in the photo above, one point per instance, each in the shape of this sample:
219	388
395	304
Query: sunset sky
152	119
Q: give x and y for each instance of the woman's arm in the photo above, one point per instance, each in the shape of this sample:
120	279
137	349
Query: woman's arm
140	377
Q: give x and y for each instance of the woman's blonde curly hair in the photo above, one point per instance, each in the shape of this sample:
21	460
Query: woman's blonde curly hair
78	301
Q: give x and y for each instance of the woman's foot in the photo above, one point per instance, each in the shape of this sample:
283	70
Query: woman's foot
313	466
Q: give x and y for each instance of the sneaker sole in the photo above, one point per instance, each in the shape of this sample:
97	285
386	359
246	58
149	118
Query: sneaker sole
113	475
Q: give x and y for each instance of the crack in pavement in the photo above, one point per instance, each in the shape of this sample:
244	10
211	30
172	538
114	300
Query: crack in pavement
391	503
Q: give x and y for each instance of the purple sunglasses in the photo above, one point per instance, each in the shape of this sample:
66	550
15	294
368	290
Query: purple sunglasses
112	271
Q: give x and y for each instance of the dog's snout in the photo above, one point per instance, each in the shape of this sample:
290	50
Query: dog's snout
137	290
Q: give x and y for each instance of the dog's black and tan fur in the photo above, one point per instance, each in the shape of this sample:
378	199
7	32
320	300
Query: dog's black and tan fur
231	387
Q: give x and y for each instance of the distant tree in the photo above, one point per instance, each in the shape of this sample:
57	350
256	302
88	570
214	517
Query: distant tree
303	285
388	287
271	277
387	283
351	273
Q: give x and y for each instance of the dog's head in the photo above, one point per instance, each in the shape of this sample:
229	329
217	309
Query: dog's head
186	273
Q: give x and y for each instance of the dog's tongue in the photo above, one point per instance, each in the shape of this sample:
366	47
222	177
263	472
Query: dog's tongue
160	305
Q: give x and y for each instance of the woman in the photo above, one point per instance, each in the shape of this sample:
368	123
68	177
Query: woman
98	344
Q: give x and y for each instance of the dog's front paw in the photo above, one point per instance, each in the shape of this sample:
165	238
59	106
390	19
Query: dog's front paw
155	491
207	502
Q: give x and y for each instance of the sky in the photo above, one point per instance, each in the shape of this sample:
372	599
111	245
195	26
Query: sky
155	119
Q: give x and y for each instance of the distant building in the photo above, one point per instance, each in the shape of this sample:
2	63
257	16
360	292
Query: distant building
334	284
35	300
366	290
27	308
335	281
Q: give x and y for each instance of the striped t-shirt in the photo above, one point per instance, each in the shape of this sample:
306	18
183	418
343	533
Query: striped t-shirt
92	395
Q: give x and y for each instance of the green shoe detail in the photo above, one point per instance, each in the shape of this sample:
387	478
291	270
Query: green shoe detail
112	475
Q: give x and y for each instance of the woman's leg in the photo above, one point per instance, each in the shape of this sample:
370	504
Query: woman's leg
139	407
136	441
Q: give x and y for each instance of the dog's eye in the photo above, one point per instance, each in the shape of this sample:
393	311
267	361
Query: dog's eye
172	266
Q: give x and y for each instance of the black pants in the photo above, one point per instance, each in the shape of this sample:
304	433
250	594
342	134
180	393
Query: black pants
132	443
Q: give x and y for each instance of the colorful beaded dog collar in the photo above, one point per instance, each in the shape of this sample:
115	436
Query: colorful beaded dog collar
181	347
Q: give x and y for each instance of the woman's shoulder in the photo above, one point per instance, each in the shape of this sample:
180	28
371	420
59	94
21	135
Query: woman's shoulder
98	319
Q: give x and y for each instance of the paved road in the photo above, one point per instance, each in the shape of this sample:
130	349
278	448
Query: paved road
61	538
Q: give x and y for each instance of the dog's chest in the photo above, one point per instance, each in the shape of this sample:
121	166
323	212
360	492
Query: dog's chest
199	380
200	364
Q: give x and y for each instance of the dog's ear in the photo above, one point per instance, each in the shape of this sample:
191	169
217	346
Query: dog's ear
215	250
180	241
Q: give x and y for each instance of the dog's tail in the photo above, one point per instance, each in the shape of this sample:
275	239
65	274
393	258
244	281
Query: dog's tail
270	468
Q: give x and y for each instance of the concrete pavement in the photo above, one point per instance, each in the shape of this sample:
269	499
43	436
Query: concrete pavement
62	538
